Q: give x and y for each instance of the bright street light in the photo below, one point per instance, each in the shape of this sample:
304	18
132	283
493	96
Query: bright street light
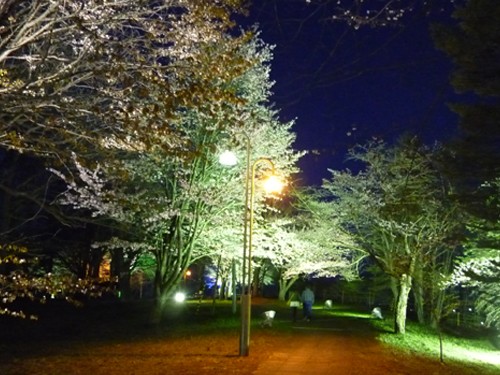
272	184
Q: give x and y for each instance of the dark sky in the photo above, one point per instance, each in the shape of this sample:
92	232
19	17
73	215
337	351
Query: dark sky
345	86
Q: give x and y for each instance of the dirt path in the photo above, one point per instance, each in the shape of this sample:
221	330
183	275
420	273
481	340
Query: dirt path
321	351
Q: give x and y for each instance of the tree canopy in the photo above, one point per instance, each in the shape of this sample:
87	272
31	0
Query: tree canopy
398	211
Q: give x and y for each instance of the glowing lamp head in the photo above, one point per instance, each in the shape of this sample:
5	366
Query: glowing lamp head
273	184
228	158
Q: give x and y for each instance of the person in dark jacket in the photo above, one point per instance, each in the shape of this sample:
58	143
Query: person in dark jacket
307	298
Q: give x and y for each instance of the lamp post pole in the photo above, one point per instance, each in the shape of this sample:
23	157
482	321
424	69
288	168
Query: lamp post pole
246	298
245	292
228	158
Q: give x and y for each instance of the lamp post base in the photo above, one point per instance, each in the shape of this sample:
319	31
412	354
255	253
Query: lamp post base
245	325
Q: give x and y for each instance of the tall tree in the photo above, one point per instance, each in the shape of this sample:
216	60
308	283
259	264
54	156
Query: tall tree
119	84
398	211
85	78
173	201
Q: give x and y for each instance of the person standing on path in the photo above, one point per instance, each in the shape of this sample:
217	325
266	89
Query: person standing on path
307	298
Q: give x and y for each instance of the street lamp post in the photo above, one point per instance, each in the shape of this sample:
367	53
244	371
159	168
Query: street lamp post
246	298
246	303
245	289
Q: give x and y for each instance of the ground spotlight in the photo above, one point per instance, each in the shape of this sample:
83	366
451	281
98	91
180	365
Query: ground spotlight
179	297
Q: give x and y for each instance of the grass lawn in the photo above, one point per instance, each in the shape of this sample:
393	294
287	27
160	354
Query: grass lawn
463	346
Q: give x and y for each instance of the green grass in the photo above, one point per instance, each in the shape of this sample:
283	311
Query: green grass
345	312
424	341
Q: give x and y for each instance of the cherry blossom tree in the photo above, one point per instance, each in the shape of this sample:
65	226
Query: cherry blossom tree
309	241
172	201
87	75
111	92
400	214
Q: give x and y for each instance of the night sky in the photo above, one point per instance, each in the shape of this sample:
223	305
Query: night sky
345	86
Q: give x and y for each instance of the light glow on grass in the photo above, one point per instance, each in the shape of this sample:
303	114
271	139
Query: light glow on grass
425	341
491	357
349	314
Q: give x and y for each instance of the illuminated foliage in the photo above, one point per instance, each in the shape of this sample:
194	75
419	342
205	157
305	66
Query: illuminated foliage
399	213
170	199
123	98
308	241
18	282
94	74
261	134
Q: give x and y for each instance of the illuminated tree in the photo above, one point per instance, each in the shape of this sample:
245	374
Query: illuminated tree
397	210
262	135
173	202
309	242
108	91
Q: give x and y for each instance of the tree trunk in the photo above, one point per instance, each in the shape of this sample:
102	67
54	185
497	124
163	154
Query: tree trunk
159	307
256	281
216	286
282	290
233	286
395	291
438	293
419	291
121	269
164	289
284	287
418	296
402	303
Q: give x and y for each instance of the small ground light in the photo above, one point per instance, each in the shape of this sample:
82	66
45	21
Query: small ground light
179	297
268	318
